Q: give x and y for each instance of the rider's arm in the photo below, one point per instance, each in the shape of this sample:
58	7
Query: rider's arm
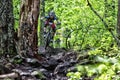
45	23
58	22
44	18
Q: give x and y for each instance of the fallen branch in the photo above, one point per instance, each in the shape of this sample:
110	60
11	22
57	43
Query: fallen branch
10	75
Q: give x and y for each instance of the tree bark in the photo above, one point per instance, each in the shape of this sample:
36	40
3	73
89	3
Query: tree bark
6	27
27	32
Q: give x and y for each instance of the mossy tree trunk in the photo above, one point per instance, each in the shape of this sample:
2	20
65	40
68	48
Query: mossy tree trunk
27	32
118	22
42	22
6	27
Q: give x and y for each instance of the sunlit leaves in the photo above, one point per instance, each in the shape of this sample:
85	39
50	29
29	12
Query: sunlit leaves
16	7
72	13
104	71
74	76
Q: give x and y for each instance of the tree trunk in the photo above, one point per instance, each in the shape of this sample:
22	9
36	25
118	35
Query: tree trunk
27	32
6	27
42	22
118	21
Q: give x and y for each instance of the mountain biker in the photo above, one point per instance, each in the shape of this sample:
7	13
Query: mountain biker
50	21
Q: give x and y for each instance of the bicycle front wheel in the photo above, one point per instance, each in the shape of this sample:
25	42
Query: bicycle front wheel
47	40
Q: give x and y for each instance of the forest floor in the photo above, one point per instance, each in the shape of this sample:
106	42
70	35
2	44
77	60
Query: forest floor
58	62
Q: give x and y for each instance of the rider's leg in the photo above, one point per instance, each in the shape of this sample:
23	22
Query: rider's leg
46	24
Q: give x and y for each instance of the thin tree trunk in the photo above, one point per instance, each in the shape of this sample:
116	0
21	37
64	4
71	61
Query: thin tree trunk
42	22
11	32
6	27
118	21
27	32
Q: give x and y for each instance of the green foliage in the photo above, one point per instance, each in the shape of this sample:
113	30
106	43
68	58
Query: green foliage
16	7
101	71
85	31
74	76
85	28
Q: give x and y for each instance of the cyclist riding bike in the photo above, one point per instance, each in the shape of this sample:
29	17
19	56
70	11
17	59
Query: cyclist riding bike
50	21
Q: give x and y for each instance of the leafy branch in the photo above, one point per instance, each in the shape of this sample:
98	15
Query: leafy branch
105	24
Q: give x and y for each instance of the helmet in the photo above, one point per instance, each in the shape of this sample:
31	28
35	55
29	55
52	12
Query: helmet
51	13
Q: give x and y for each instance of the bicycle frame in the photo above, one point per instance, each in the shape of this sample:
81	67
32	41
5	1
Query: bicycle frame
48	36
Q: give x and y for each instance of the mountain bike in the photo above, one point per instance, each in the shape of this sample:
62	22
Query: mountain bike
48	37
